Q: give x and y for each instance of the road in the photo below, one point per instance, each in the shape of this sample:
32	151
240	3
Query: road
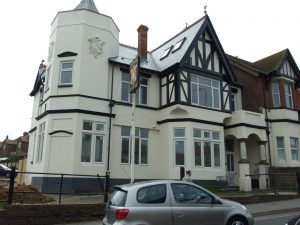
277	219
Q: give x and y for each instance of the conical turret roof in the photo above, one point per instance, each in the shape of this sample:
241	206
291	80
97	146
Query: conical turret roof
87	4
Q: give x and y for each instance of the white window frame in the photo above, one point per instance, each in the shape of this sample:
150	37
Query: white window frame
280	149
138	141
94	133
41	140
207	136
198	84
127	96
66	70
288	95
178	138
294	149
275	93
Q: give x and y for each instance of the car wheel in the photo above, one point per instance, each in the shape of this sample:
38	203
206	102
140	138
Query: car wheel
237	221
7	175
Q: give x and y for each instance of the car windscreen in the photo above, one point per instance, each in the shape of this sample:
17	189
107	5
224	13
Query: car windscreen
118	198
4	167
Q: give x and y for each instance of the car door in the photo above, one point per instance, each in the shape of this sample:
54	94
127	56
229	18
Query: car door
192	205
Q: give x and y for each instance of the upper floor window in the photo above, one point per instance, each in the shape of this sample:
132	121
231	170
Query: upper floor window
66	73
141	92
48	78
276	93
205	92
288	95
294	148
92	142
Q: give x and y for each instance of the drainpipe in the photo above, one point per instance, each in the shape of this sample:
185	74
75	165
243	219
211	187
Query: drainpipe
111	105
266	95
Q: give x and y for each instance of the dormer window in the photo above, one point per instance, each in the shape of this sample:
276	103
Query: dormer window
166	52
178	44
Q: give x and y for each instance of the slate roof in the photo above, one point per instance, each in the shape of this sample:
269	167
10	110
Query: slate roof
154	61
87	4
245	63
272	62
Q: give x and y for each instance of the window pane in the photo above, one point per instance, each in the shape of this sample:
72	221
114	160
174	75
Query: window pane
66	77
98	149
144	81
194	93
179	152
137	151
144	152
179	132
99	127
216	98
88	125
125	131
216	135
276	96
204	81
280	142
125	92
152	194
86	148
125	150
197	133
206	134
294	148
207	154
144	133
280	148
217	155
205	96
197	146
125	77
143	93
67	65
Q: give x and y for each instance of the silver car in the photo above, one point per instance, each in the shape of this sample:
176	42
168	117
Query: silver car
172	203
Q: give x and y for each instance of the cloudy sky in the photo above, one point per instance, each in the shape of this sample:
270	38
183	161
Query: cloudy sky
249	29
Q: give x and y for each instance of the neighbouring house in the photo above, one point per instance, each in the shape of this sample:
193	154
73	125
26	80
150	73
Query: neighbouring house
196	107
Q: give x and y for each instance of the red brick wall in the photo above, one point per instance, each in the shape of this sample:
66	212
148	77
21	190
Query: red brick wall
252	90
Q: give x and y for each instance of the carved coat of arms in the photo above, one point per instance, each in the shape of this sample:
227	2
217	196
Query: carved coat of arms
96	46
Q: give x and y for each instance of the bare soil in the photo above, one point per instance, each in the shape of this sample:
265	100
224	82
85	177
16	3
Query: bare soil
25	194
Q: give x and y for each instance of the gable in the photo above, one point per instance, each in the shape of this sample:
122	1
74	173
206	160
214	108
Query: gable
206	53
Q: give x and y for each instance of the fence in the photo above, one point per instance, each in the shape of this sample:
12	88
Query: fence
282	181
104	182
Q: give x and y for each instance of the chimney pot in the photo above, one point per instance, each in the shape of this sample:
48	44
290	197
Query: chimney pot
142	41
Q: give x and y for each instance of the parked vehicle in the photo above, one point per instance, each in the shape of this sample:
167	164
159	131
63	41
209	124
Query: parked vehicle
294	221
172	203
4	171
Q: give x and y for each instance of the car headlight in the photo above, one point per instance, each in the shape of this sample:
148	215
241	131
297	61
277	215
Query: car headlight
246	210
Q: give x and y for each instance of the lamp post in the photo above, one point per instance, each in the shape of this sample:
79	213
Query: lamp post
134	84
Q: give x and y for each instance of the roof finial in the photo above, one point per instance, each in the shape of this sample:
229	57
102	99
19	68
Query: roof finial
205	12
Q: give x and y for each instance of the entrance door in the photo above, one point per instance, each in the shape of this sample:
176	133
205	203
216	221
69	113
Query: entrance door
230	171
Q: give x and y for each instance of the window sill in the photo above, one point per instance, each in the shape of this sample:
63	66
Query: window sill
65	85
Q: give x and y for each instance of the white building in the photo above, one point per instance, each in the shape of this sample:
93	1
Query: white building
82	107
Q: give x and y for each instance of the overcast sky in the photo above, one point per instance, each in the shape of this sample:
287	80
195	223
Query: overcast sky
249	29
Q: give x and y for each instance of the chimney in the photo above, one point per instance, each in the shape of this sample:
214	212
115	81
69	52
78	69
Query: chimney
142	41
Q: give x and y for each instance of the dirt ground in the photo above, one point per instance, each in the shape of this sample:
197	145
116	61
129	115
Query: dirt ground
24	194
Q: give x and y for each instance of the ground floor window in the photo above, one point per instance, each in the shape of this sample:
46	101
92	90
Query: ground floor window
280	148
179	146
40	144
294	148
141	145
206	148
92	142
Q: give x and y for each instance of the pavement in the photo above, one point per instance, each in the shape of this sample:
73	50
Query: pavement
276	207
